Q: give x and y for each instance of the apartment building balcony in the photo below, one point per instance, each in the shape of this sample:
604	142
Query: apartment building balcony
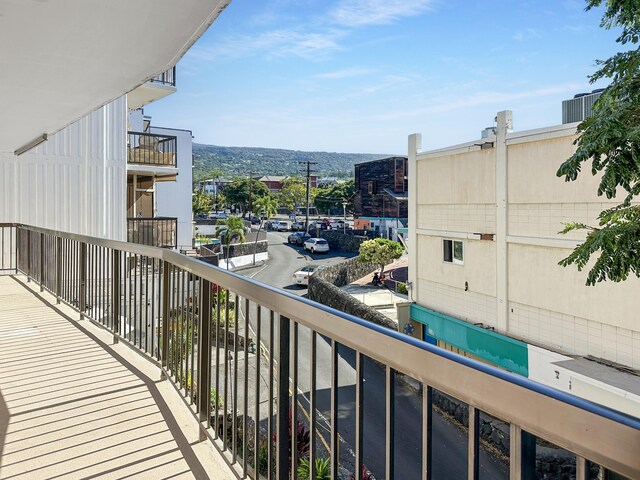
155	232
156	88
94	333
151	153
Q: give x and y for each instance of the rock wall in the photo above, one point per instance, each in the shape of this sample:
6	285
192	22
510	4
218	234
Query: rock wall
551	462
240	249
346	272
340	241
322	291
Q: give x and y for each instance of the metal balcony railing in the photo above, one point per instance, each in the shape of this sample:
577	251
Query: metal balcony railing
155	232
152	149
168	77
201	325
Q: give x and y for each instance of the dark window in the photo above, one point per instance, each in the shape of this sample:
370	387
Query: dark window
453	251
448	250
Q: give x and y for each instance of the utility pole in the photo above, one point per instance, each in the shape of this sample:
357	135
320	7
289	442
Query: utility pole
308	173
250	195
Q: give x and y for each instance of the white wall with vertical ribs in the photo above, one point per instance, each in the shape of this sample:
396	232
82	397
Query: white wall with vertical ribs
173	199
76	181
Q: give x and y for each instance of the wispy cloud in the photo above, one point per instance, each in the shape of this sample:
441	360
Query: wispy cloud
485	98
355	13
526	34
272	43
345	73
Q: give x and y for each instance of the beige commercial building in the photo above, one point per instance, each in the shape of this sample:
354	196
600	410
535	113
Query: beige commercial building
484	251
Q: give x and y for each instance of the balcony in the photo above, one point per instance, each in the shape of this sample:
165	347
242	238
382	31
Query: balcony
156	88
155	232
250	362
168	77
147	151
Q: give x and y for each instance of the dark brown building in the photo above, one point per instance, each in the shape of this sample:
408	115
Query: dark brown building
380	200
381	188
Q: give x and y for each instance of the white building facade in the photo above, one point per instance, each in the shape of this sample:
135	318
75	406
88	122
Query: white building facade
106	175
484	247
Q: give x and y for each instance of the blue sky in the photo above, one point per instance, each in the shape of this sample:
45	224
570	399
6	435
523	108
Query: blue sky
361	75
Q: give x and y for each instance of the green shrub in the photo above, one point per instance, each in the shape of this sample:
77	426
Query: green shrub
401	288
323	470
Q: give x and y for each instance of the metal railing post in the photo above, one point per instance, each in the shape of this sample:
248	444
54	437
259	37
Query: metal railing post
282	427
115	294
28	255
164	344
82	304
204	359
522	448
473	456
42	262
58	269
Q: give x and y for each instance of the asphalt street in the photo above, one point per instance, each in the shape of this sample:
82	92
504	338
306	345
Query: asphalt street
450	443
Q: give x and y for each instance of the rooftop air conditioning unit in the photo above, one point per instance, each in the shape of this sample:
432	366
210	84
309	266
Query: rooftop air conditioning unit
580	107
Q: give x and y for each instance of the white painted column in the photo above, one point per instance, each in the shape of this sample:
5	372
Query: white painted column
415	146
504	123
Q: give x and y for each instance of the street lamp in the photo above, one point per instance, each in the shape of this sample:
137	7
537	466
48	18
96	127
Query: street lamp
344	215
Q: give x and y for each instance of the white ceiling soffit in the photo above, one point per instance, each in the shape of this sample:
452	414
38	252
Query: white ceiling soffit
62	59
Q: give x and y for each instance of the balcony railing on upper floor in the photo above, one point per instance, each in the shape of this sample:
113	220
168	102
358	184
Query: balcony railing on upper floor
155	231
151	149
168	77
278	381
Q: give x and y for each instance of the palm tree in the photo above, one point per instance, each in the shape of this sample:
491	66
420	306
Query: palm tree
269	206
229	229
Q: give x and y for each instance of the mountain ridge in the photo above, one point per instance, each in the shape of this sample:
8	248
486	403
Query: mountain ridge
240	161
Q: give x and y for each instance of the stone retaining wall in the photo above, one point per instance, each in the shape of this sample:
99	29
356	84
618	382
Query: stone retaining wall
342	242
322	291
240	249
346	272
550	462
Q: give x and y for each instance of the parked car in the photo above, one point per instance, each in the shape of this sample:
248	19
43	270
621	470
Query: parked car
337	225
317	245
280	226
298	238
301	277
254	220
298	226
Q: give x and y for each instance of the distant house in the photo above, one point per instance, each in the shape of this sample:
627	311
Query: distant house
327	181
380	199
212	186
274	182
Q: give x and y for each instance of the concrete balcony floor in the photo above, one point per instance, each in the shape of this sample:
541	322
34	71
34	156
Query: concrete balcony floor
73	405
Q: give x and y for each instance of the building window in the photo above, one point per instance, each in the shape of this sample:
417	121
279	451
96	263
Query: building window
453	251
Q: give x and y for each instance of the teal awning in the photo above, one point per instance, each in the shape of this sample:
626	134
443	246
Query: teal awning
495	348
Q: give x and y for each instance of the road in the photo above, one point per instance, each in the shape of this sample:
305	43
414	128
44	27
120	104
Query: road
449	442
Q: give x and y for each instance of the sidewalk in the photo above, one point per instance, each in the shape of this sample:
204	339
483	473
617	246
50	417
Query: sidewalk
383	299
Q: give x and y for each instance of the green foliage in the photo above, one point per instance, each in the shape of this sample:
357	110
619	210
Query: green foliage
200	202
238	192
267	205
293	193
215	399
231	228
323	470
610	139
402	288
380	251
333	196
